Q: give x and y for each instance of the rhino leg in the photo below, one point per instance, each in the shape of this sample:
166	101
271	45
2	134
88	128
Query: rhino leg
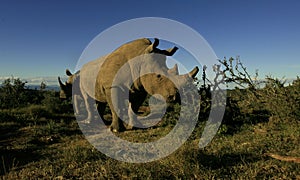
115	95
101	106
132	117
136	100
132	114
76	104
89	102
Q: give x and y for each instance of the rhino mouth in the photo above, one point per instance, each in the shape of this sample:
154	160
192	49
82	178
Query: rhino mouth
171	98
62	96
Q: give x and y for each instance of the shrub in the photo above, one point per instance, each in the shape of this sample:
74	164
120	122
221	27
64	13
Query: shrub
251	101
53	104
12	93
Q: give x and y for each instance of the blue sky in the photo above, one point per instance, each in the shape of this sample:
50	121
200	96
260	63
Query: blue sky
43	38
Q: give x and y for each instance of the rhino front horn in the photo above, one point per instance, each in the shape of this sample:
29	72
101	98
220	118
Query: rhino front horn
194	72
60	83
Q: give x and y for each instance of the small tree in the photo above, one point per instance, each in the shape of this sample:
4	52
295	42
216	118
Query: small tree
43	86
12	93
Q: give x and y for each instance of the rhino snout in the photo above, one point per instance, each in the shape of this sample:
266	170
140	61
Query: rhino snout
171	98
62	95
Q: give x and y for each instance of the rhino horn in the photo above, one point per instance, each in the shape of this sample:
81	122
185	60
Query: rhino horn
174	70
194	72
60	83
68	72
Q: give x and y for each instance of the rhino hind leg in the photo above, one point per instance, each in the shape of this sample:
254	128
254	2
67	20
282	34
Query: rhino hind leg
101	107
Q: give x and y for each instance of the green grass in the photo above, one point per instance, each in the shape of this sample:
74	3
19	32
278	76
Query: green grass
52	146
40	138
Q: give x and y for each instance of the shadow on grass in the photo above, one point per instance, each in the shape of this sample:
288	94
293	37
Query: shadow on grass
225	161
21	144
15	158
16	149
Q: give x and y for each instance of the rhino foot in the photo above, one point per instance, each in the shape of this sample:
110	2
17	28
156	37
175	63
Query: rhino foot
113	129
130	127
136	125
86	121
83	119
120	127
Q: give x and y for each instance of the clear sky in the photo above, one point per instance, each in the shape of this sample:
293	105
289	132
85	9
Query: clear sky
43	38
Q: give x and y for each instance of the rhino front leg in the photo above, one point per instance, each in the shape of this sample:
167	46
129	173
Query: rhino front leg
136	100
116	104
89	103
78	112
76	104
132	117
101	106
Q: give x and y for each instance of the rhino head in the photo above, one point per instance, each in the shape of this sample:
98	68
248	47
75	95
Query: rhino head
66	88
166	84
162	81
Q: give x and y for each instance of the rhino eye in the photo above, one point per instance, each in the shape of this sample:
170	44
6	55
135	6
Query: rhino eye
158	76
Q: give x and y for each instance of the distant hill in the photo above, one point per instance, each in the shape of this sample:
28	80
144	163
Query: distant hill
37	87
35	82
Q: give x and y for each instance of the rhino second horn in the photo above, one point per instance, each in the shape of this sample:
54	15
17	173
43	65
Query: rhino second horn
174	70
194	72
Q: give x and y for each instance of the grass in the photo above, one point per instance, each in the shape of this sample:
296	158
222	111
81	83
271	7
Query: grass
259	137
52	146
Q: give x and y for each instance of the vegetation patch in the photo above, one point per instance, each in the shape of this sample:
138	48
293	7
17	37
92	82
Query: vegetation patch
259	137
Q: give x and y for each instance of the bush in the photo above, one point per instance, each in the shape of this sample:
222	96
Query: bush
15	96
53	104
280	101
251	101
12	93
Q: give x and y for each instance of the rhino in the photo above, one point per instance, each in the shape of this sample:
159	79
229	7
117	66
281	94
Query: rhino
96	81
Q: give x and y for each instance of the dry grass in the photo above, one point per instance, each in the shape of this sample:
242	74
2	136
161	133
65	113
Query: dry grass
52	148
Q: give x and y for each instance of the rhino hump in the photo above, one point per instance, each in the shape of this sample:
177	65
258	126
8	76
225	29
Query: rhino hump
97	75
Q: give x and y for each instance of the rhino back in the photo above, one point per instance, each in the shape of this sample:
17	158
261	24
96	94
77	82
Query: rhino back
132	49
88	76
118	58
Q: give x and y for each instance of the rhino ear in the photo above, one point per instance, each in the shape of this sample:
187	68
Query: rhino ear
153	46
194	72
174	70
68	72
155	43
170	52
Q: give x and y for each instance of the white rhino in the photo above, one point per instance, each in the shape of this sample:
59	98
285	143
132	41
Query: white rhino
127	74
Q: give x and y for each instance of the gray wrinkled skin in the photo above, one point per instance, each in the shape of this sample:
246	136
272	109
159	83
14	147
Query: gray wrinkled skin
96	81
